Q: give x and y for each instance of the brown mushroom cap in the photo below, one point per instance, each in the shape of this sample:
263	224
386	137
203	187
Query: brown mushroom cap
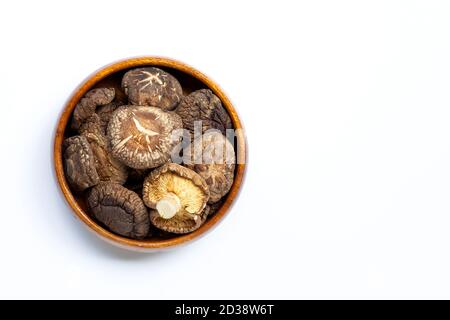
179	196
203	105
212	156
79	163
141	137
108	168
119	209
153	87
87	105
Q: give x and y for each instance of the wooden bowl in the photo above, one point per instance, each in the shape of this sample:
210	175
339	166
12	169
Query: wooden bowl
190	80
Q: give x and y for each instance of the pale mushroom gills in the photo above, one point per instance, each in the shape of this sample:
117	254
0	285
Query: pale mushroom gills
179	196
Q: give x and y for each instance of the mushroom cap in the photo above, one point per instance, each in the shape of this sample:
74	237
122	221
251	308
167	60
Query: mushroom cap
108	168
141	136
153	87
203	105
79	163
87	105
212	156
173	187
184	225
119	209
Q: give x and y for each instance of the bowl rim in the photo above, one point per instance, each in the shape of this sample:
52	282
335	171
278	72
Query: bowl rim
147	245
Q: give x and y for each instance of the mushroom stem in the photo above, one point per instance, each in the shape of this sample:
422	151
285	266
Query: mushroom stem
168	206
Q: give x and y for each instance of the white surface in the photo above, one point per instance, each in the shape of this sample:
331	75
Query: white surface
347	111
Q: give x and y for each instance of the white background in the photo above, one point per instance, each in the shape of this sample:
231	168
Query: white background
347	110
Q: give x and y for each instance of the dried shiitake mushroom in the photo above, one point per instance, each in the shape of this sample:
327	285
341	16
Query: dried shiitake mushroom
87	105
208	211
108	168
179	196
203	105
136	175
141	136
212	156
105	113
152	87
119	209
79	163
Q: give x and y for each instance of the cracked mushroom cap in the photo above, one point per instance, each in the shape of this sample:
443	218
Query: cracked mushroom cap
79	163
152	87
119	209
203	105
212	208
141	136
178	196
91	100
212	156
